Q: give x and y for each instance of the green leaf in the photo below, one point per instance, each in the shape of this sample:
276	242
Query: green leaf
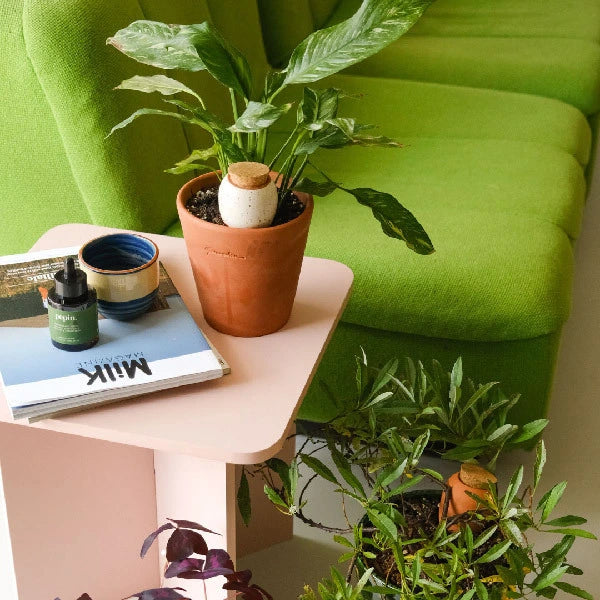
480	393
576	532
502	432
274	497
284	471
566	521
573	590
151	111
433	474
495	552
468	594
318	467
243	499
529	430
396	221
540	461
215	127
544	579
484	537
376	24
224	62
156	83
316	188
317	106
179	169
157	44
388	476
340	539
405	485
189	163
257	116
550	499
511	530
513	487
343	466
383	523
480	588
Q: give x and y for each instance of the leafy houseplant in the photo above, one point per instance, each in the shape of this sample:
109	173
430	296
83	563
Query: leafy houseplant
407	545
253	111
184	547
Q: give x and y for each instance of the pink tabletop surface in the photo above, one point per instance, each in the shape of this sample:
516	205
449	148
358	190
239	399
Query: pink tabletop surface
241	418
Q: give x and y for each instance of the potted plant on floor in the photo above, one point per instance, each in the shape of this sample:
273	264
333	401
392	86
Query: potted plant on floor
247	277
455	540
188	557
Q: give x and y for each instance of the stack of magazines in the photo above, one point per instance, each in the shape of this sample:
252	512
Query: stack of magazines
161	349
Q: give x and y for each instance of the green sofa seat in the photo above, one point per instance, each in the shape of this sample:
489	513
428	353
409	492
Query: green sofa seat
548	48
497	180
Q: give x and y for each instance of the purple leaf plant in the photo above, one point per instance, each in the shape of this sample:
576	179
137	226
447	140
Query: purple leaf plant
185	542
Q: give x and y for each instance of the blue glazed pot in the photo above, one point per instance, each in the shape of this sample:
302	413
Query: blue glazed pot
124	270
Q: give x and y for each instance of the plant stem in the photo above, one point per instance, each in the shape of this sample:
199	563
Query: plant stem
281	150
235	137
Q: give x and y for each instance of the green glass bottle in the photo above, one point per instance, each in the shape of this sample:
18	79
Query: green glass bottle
72	310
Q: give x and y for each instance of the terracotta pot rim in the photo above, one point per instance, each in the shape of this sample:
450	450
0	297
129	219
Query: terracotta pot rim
193	186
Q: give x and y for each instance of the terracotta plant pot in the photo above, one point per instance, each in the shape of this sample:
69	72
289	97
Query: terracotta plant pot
246	278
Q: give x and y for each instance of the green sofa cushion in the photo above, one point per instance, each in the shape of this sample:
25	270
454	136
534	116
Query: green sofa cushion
575	19
545	48
32	152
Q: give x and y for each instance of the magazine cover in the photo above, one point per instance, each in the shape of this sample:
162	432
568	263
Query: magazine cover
162	348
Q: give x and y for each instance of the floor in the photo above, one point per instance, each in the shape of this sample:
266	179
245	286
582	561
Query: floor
572	441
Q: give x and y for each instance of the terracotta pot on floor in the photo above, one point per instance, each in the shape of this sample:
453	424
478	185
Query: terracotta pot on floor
246	278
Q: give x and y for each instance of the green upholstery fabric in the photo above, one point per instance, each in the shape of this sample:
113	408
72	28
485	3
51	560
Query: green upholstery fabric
121	178
32	152
574	19
544	47
286	24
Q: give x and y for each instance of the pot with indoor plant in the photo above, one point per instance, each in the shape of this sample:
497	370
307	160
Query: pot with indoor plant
457	539
247	277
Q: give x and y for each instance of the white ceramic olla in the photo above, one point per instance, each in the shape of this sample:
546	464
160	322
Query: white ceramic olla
247	196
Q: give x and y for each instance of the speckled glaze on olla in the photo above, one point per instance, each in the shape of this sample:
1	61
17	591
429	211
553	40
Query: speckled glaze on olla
247	196
247	208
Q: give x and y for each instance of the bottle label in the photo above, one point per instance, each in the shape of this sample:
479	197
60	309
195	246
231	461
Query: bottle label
74	327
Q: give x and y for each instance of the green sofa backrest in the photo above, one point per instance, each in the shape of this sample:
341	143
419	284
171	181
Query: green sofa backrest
286	23
57	165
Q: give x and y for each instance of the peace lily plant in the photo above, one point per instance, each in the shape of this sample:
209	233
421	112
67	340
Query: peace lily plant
254	109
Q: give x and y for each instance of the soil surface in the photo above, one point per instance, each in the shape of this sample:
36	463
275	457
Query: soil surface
421	514
204	204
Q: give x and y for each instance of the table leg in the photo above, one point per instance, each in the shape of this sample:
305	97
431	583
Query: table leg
205	491
77	511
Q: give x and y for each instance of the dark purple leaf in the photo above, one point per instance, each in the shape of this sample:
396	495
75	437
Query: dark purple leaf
181	566
262	591
149	541
160	594
184	543
208	574
219	559
192	525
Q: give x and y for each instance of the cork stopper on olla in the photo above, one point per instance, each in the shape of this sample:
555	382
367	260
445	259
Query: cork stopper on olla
248	175
476	476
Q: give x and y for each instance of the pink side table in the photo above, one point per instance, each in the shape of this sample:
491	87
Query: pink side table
82	491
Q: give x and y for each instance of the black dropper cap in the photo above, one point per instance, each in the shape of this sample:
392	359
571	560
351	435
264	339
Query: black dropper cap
70	282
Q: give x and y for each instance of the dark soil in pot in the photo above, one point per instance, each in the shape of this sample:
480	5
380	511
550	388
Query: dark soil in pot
420	509
204	204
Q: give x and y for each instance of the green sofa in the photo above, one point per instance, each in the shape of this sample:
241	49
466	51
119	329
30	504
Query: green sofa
496	177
